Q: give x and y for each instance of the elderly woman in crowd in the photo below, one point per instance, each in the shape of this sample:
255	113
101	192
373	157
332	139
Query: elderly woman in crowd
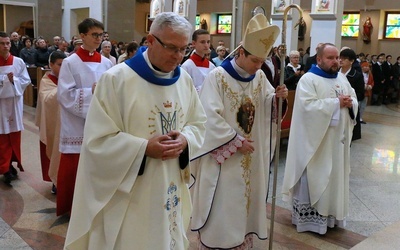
106	50
294	70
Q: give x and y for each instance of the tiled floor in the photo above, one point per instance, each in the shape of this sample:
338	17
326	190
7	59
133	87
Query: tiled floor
28	220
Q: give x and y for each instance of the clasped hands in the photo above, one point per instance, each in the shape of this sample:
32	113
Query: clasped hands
165	147
345	101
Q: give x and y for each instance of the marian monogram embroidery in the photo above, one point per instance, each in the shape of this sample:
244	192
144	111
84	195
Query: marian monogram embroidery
170	117
171	206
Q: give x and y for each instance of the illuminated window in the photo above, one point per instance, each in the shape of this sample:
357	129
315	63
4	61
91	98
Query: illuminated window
351	24
224	24
392	25
197	22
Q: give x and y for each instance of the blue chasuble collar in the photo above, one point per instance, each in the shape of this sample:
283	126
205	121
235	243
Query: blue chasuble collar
318	71
140	66
227	65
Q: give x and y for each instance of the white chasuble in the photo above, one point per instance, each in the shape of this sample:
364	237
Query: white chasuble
229	199
115	207
320	137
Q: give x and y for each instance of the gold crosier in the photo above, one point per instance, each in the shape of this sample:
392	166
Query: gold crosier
282	50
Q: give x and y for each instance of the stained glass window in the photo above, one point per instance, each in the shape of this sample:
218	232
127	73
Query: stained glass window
197	22
392	25
224	24
351	24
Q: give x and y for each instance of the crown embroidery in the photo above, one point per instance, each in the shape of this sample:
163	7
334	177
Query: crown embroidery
167	104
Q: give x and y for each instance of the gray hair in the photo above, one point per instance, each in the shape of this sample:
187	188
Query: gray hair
171	20
104	43
294	53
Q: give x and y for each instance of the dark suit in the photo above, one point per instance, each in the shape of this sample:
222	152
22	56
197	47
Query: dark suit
15	49
388	73
310	61
356	80
379	82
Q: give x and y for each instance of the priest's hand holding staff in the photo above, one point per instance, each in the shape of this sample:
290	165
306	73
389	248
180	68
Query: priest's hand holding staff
281	91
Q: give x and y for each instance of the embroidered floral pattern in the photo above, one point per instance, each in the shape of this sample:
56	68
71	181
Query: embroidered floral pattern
246	165
79	104
171	207
72	140
236	101
226	151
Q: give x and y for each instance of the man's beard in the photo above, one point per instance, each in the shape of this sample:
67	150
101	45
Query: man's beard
332	70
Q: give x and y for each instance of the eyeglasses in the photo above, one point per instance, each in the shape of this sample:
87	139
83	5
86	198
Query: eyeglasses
96	35
171	48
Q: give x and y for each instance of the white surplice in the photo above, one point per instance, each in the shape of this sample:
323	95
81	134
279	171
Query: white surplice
12	96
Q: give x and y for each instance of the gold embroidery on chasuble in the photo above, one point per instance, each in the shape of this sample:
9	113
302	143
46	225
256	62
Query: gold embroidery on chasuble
170	116
244	103
171	206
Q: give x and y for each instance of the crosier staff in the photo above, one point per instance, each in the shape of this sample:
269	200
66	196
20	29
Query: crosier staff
282	50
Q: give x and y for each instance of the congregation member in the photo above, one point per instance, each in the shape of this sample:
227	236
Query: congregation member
27	54
16	44
270	69
77	44
106	37
129	52
14	80
387	69
221	50
105	51
311	60
42	54
48	120
56	43
396	81
63	47
316	178
71	46
293	71
144	124
347	57
79	74
232	169
379	80
198	66
368	85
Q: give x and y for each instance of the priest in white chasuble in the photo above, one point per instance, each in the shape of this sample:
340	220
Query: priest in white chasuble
317	170
144	123
231	180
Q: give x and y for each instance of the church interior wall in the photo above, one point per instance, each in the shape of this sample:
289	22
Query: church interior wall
126	20
49	18
15	15
122	19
